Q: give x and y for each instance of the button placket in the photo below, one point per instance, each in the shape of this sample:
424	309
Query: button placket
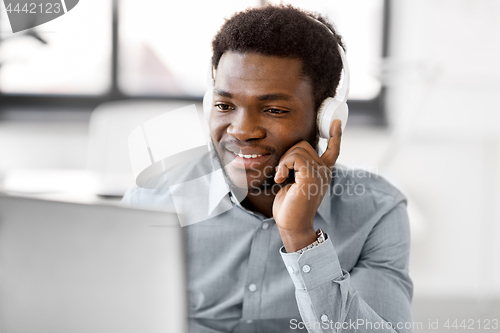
256	265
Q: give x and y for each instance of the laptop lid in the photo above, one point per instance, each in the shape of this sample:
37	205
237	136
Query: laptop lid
67	267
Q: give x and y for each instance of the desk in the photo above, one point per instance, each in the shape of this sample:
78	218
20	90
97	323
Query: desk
63	185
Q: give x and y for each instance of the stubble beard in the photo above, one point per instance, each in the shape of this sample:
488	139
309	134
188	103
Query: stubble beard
267	184
255	185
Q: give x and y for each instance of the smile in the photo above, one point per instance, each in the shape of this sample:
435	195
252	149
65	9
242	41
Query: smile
250	160
248	156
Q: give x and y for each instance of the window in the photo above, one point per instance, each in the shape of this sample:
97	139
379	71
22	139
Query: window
52	59
360	23
121	49
167	51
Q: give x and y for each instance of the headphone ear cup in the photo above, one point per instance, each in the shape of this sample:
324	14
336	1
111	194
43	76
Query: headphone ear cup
208	102
330	110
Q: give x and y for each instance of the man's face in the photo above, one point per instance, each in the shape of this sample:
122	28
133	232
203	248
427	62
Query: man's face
263	105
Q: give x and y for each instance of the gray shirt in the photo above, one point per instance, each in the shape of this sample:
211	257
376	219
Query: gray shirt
242	280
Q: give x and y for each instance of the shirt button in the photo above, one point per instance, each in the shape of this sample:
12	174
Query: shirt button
265	225
290	269
249	321
252	287
306	268
324	317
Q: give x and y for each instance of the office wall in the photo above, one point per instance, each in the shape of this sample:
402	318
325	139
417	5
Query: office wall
451	152
443	150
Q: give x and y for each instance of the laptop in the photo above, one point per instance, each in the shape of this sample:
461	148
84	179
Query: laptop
68	267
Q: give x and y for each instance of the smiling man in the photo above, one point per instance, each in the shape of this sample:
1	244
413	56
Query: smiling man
265	121
306	244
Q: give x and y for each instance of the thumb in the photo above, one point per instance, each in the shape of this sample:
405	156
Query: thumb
333	148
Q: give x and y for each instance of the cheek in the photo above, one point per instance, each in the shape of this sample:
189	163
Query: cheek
301	130
309	130
217	128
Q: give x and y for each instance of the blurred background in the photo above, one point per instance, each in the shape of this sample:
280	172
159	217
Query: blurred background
423	113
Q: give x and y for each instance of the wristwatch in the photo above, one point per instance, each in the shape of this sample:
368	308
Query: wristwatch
321	237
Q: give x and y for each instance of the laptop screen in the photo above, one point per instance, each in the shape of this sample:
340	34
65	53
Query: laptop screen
69	267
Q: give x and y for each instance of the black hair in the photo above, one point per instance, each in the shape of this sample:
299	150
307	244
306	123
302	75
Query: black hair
285	31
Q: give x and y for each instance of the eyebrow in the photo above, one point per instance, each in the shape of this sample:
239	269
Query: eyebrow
275	97
268	97
223	93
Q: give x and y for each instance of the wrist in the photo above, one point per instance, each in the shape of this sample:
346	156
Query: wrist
321	237
294	240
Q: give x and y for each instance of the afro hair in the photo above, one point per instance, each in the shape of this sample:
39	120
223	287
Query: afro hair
285	31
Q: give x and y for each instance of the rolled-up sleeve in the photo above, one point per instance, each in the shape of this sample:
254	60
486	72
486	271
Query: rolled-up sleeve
374	296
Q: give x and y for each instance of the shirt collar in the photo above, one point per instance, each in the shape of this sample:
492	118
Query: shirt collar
219	188
324	209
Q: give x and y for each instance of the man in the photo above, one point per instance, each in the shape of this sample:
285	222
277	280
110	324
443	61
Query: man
310	246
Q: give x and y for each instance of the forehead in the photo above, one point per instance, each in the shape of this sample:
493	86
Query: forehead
257	73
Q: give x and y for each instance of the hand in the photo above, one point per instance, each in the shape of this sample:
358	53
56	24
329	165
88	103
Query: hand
295	204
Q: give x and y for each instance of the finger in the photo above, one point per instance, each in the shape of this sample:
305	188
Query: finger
303	148
333	149
294	161
307	150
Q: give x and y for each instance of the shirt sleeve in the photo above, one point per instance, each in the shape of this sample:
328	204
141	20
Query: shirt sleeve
374	296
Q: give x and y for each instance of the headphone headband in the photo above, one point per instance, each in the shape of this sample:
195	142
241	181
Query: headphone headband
343	90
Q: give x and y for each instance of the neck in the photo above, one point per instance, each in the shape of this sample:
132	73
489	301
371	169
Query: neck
262	201
259	203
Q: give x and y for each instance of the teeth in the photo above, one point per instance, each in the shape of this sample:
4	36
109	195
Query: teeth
249	156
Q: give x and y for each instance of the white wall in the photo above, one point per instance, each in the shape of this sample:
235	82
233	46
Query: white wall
448	97
443	145
443	150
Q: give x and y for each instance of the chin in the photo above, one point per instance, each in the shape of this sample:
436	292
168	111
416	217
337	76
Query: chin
238	178
244	182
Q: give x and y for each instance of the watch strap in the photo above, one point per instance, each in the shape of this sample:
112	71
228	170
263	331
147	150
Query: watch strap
321	237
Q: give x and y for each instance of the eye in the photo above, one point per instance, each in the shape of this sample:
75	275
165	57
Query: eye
223	107
276	111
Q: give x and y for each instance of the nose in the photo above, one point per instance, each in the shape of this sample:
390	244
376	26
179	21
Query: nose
246	125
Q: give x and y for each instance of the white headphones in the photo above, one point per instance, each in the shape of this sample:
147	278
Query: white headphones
331	109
